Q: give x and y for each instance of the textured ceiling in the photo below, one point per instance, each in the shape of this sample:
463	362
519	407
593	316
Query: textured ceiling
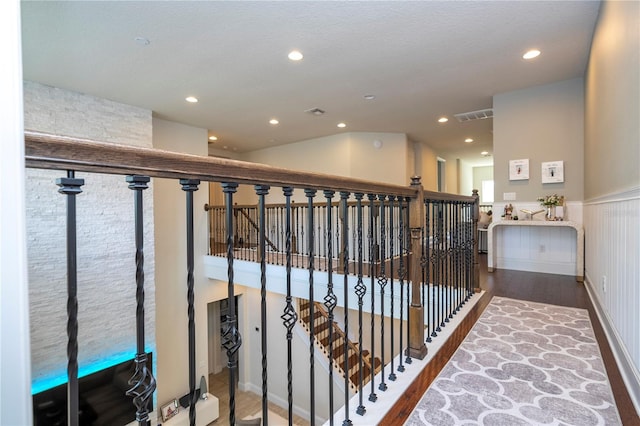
420	59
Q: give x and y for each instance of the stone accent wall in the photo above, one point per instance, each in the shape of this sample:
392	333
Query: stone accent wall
106	244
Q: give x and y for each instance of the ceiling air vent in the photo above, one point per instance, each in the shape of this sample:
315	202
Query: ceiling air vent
475	115
315	111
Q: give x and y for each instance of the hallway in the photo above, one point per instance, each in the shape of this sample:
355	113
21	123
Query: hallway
560	290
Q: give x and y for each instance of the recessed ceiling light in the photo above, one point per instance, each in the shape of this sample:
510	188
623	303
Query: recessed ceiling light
191	99
273	121
443	120
468	140
369	97
225	147
213	138
533	53
295	55
342	125
484	153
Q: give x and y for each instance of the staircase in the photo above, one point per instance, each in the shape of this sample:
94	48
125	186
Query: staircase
321	330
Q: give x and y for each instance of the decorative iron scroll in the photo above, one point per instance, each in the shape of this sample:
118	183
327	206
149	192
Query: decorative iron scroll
142	383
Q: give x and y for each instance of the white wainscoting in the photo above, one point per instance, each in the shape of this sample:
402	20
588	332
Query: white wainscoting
612	249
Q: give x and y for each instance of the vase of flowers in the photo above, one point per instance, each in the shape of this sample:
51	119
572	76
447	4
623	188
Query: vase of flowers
549	202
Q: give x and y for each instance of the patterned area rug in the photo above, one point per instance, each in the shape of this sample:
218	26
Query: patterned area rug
523	363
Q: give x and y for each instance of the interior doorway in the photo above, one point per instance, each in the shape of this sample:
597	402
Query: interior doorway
216	325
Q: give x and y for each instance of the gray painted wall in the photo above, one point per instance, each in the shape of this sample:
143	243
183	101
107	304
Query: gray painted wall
542	123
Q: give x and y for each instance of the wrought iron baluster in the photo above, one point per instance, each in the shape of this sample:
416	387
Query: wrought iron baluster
262	191
330	300
310	193
143	383
189	186
402	274
322	210
289	317
408	359
70	186
382	282
360	290
472	237
231	339
345	264
392	198
354	232
446	307
297	241
429	266
440	268
458	254
372	274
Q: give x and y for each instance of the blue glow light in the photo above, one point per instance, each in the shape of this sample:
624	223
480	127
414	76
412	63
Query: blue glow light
58	379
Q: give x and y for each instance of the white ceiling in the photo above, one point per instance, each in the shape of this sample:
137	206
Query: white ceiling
421	60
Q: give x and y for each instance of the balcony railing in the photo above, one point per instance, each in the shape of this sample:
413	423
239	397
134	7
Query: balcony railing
406	259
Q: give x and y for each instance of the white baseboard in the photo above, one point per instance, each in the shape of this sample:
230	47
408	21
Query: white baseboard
630	374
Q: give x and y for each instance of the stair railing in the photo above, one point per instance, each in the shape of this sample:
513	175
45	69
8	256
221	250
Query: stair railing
454	242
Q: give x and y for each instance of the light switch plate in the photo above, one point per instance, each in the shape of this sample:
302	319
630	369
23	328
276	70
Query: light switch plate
509	196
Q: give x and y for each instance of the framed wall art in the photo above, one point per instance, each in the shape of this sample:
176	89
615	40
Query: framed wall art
519	169
553	172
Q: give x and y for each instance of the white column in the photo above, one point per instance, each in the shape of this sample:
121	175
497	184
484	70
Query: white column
15	366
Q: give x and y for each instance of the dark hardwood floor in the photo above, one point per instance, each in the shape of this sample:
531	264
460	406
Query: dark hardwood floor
545	288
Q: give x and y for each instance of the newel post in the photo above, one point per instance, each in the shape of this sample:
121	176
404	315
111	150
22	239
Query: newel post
417	348
476	217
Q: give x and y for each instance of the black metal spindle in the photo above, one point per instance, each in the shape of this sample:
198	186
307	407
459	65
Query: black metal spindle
330	300
438	269
70	186
354	232
408	359
345	260
458	253
144	384
424	270
372	274
262	191
231	339
289	317
402	273
430	267
392	198
311	193
447	264
360	290
189	186
382	282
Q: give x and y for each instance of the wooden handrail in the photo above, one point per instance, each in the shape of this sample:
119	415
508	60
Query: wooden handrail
47	151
